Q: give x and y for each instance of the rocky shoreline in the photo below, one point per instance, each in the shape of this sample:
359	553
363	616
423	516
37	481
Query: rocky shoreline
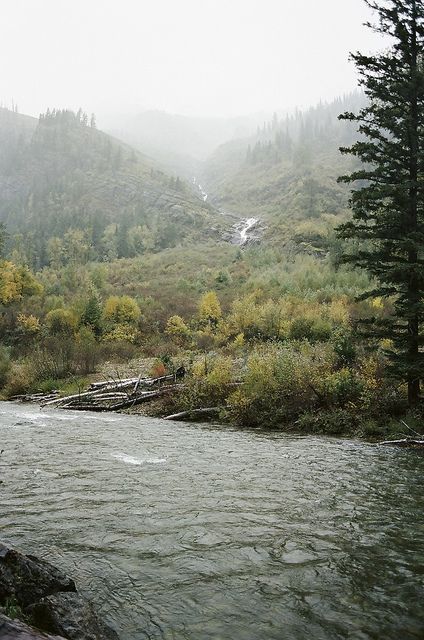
38	601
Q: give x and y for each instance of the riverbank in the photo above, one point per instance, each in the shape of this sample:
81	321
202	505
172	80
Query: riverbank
43	599
296	388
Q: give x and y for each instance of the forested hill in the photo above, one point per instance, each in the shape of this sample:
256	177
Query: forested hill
287	171
71	192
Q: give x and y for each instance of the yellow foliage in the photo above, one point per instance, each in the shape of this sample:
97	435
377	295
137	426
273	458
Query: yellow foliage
176	326
369	372
210	309
198	369
221	373
338	311
61	322
16	282
29	325
386	344
121	310
239	341
377	303
122	332
244	313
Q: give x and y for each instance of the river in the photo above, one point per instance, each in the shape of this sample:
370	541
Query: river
202	532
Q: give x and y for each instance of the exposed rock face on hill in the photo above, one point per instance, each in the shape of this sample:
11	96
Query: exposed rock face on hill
44	597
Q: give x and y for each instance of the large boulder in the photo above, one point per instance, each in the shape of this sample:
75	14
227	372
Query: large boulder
46	598
26	579
69	615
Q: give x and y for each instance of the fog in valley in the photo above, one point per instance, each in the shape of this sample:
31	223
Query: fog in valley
209	58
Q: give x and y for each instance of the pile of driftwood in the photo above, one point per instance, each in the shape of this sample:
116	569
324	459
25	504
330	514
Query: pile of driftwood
112	395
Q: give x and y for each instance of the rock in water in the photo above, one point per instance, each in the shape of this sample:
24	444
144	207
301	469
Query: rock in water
15	630
69	615
47	599
27	579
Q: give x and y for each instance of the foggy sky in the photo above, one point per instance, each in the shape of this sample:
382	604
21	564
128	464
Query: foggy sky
196	57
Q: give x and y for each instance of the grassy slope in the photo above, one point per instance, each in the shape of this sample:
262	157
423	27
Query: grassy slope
286	183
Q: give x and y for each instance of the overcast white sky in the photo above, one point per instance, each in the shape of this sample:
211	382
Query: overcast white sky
197	57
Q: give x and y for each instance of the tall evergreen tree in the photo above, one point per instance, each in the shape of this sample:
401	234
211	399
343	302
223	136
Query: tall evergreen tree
388	203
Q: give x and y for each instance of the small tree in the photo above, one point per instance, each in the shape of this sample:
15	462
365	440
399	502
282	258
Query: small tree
210	310
121	310
388	206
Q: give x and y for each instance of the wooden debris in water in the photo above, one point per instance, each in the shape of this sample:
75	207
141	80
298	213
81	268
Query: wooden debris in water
193	412
405	442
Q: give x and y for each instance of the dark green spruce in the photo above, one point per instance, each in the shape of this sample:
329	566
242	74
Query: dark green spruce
388	196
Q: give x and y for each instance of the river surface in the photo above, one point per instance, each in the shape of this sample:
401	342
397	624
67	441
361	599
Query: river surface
197	532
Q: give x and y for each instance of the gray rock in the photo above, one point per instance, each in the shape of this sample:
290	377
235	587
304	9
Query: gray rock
26	579
46	598
15	630
69	615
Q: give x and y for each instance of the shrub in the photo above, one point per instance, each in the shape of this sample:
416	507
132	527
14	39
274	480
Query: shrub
87	351
279	383
301	328
121	310
342	387
330	422
61	322
21	378
5	365
209	310
209	384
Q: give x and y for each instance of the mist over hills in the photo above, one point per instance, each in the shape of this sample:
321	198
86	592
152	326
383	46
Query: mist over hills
282	170
288	168
181	143
68	189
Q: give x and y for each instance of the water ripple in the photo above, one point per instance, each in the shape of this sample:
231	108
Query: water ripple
199	532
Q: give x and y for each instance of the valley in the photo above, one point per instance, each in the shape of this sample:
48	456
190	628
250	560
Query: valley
233	271
212	320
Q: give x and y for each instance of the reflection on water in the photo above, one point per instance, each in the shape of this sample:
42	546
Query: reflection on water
198	532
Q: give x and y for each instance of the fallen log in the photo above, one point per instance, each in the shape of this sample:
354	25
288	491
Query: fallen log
186	414
113	384
112	395
35	397
131	382
105	402
66	399
104	383
86	406
144	397
405	442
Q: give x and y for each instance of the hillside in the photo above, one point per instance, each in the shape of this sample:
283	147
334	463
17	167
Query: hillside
286	174
71	192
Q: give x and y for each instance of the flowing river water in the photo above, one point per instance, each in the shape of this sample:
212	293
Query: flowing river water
197	532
